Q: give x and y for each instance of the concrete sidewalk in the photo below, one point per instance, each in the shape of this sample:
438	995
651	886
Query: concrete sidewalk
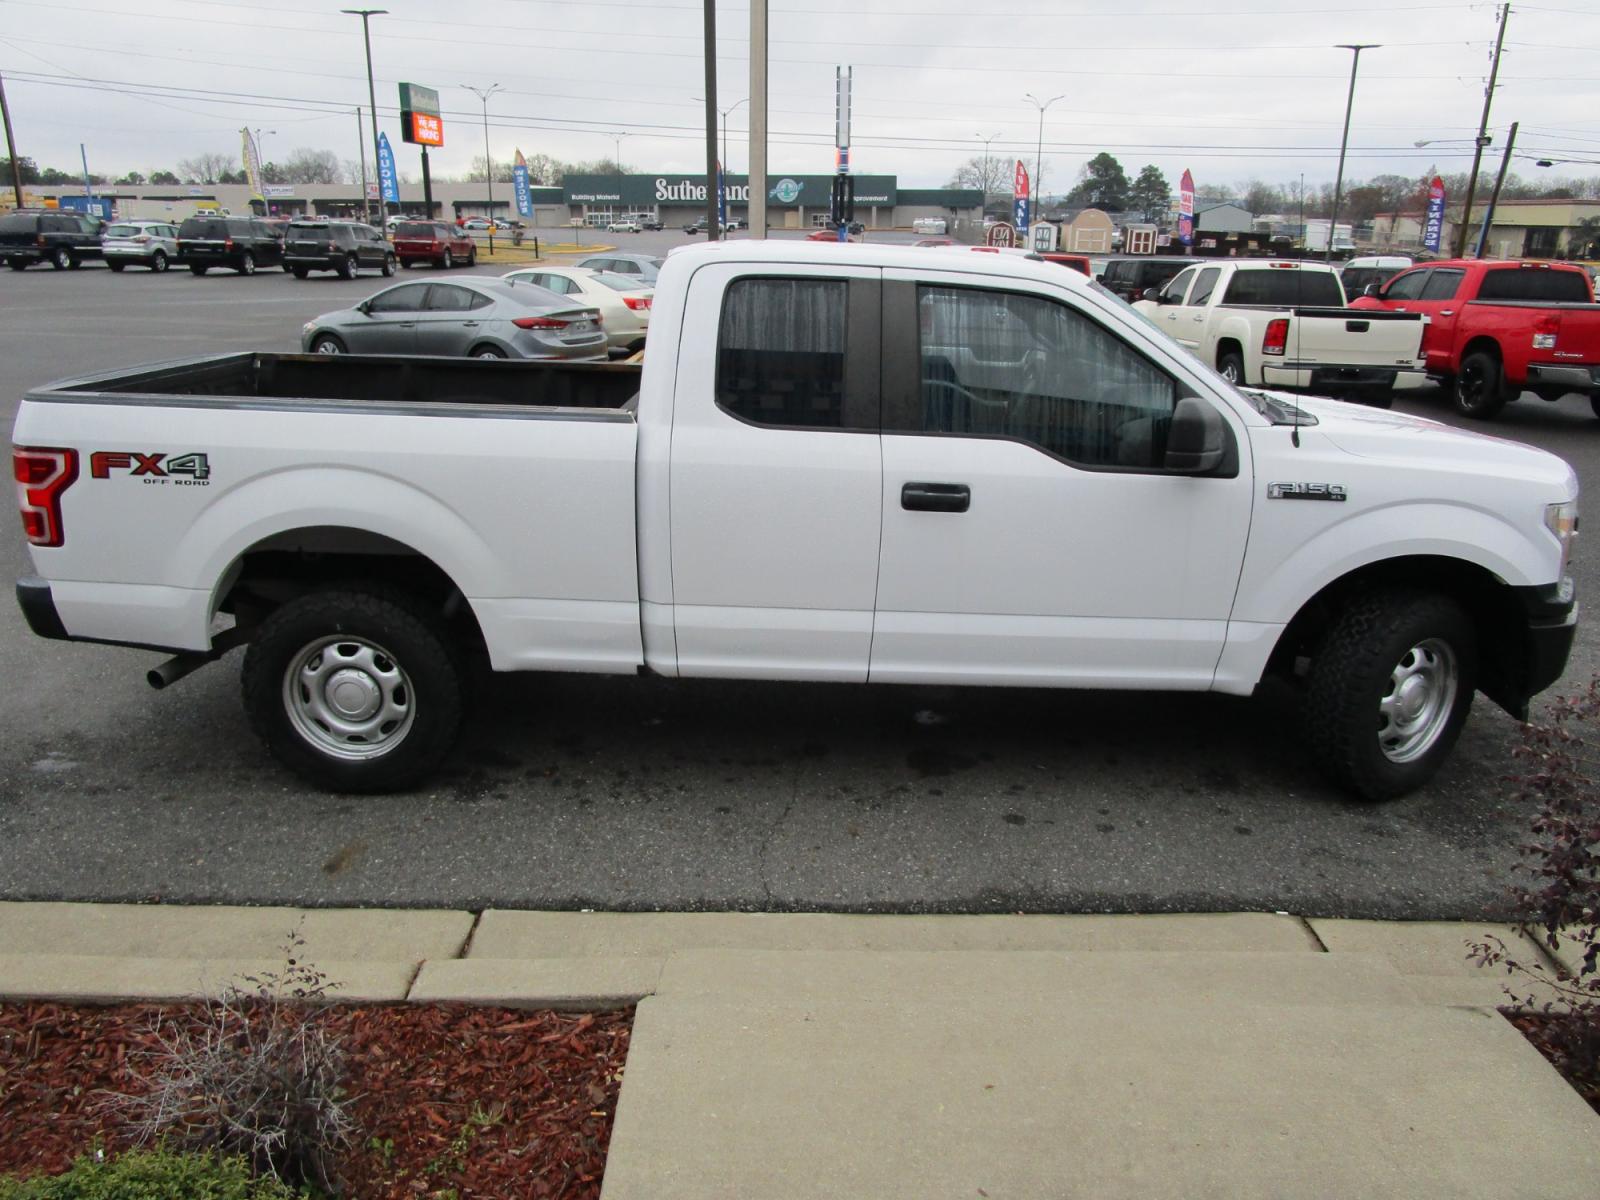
1229	1055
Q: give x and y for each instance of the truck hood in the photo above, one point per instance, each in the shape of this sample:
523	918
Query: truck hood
1416	442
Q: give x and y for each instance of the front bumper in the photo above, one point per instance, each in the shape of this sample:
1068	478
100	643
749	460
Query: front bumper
1573	377
1551	613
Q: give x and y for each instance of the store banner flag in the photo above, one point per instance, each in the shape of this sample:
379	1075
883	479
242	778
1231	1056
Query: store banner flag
519	181
1186	209
252	167
1433	225
1019	192
388	177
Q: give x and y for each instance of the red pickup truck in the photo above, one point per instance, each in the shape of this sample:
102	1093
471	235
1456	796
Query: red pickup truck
1500	328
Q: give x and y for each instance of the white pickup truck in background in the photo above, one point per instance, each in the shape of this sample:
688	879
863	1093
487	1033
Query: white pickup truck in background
852	463
1284	324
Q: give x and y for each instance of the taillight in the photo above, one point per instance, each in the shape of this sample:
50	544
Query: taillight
42	474
637	303
1545	330
1276	337
142	238
538	323
38	239
228	245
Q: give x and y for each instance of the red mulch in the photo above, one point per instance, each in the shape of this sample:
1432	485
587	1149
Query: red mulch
417	1070
1534	1026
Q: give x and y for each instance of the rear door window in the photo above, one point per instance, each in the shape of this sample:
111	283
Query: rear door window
1442	284
407	298
781	352
1522	283
448	297
1204	286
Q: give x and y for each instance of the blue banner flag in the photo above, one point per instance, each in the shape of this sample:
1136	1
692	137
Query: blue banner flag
388	177
1433	227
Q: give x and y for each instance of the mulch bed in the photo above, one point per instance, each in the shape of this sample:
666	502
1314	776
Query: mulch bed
1537	1027
420	1073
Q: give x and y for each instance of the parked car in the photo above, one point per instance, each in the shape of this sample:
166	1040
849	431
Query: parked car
1263	323
936	226
623	300
830	233
62	239
934	241
644	267
653	224
1361	273
1099	510
626	225
1130	278
344	247
241	243
152	244
438	242
1496	329
483	225
1074	262
478	318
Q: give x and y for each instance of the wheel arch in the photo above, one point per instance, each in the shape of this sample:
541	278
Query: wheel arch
1482	343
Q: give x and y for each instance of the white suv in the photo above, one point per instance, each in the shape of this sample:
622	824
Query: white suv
152	244
626	225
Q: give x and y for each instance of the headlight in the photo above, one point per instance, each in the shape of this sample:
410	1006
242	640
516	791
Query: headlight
310	325
1562	521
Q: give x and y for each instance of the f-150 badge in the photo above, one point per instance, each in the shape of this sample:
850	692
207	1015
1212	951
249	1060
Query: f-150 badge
1306	491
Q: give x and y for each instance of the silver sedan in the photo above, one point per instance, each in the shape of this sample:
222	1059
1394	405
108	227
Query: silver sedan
480	318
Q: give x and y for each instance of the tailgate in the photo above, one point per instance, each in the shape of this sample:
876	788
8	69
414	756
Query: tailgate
1346	337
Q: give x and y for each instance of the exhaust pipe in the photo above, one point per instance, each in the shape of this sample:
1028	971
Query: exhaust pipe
181	665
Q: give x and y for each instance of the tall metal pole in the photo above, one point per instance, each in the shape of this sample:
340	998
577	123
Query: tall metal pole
757	178
11	144
1038	155
361	149
983	184
1483	134
372	99
1494	197
1344	141
488	162
713	225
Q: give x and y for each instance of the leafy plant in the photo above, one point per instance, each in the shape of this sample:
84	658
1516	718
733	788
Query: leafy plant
453	1159
1563	902
151	1175
257	1073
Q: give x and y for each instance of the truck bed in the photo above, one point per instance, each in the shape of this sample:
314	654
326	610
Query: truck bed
411	383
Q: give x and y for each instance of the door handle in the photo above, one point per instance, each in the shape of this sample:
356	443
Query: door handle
1172	316
469	324
936	497
408	324
1198	319
1447	312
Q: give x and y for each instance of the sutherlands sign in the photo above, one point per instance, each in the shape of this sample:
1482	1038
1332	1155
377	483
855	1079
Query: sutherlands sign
790	191
420	123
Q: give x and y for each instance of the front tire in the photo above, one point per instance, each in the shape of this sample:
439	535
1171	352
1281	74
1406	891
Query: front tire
355	691
299	272
1389	690
114	265
388	265
1231	367
472	257
197	269
326	343
17	264
447	261
1480	386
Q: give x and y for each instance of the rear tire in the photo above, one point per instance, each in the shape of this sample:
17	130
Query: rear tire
17	264
1389	690
1594	405
355	691
197	269
247	264
348	266
300	272
158	261
60	259
488	352
388	265
1480	386
1231	367
114	265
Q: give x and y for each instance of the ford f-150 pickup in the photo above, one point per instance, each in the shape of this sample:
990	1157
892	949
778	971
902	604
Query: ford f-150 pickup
1496	329
853	463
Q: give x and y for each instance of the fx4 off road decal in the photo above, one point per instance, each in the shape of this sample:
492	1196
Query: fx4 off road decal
183	470
1306	491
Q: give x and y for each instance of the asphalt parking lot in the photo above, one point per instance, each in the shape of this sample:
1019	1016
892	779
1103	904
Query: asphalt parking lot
642	794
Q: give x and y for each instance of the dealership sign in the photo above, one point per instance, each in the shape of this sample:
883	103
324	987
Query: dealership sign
1019	192
788	191
419	115
1433	225
1186	209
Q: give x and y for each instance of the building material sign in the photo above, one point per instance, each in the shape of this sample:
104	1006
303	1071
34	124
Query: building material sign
420	123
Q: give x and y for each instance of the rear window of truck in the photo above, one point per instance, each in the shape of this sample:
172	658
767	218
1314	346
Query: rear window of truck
18	223
1521	283
204	229
414	229
1273	286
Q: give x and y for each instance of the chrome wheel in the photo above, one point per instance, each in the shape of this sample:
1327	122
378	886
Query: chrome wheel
326	345
1420	698
348	698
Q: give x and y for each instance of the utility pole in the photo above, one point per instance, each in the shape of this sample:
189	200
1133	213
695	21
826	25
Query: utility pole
361	152
11	144
1344	141
1038	155
756	206
372	99
1494	197
1483	134
713	225
488	162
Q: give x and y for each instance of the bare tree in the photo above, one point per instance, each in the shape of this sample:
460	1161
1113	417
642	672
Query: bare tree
207	168
989	174
502	171
305	165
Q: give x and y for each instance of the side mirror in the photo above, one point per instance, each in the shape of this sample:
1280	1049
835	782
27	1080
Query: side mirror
364	308
1150	294
1198	440
1370	290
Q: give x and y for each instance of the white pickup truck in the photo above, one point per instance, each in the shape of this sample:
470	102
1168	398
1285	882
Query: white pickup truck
855	463
1284	324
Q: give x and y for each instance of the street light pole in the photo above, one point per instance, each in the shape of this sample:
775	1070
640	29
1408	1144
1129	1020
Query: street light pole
616	161
983	184
488	162
372	99
1038	157
1338	182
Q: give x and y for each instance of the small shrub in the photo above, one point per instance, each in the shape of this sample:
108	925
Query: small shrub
150	1175
257	1073
1562	784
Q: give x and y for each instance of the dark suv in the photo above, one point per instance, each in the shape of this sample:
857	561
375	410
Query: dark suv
1130	277
342	246
62	239
243	243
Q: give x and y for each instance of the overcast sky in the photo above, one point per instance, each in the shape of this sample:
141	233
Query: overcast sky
1231	89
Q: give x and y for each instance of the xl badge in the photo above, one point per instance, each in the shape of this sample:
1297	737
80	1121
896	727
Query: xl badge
1307	491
